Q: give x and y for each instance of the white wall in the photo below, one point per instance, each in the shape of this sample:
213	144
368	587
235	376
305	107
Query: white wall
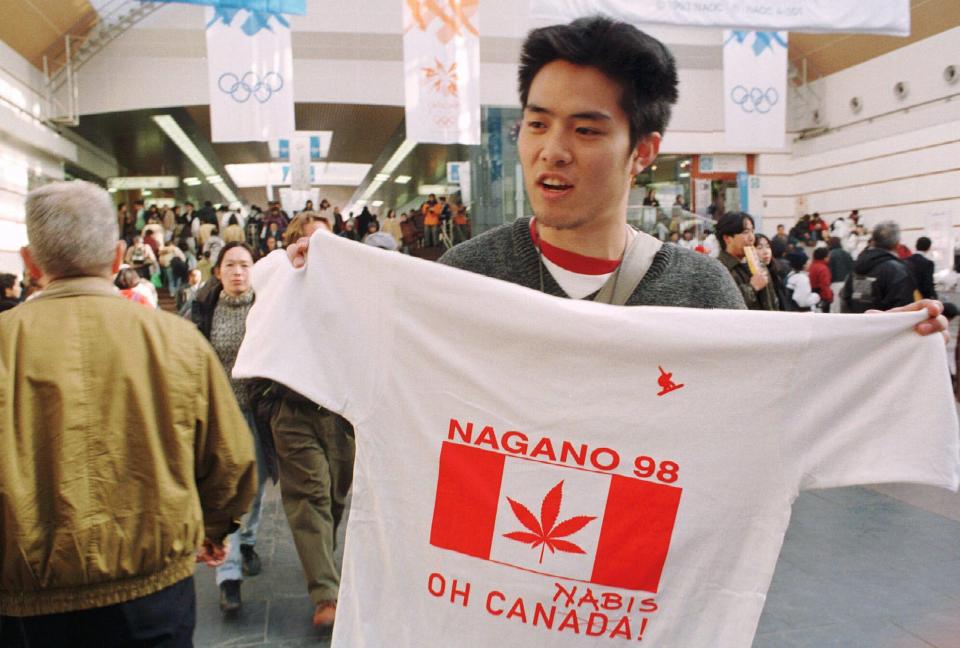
28	149
896	159
352	53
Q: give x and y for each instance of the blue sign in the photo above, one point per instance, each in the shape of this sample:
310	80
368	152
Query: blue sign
744	191
315	147
283	147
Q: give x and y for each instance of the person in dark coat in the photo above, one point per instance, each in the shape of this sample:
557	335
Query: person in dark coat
10	291
922	268
883	279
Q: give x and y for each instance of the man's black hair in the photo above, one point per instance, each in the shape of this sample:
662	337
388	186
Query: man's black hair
731	224
642	66
7	282
229	246
821	253
923	244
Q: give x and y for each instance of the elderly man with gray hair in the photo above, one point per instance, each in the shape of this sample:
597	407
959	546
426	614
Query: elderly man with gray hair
880	279
123	451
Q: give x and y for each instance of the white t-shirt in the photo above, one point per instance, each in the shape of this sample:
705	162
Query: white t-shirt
537	471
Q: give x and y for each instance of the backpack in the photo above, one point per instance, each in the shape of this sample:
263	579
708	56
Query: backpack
860	291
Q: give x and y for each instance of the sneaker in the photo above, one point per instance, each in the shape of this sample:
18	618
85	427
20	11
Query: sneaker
325	613
251	561
230	596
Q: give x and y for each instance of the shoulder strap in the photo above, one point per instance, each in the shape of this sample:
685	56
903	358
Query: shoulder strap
633	267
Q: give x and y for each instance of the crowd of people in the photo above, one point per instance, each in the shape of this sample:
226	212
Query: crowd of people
840	267
851	273
176	248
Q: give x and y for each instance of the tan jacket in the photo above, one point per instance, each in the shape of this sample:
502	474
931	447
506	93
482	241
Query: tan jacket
121	447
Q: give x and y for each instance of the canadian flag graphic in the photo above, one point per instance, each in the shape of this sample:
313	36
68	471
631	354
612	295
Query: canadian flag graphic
568	522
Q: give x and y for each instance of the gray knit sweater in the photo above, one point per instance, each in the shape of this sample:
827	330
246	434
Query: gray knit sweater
677	277
226	333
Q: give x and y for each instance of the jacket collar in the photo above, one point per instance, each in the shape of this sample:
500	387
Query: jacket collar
76	286
728	260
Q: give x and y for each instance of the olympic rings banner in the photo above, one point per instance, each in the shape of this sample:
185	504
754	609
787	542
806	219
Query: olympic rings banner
441	64
251	77
755	89
889	17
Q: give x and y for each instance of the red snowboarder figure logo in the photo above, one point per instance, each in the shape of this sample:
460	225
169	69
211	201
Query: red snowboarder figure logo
666	381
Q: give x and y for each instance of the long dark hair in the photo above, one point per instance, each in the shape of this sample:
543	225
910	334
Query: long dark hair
229	246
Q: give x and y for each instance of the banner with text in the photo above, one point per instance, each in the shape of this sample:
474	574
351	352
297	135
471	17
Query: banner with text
251	78
300	166
891	17
441	62
755	89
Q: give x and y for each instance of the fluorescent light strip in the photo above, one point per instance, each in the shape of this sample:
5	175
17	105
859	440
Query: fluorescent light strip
170	126
226	192
402	179
192	182
398	156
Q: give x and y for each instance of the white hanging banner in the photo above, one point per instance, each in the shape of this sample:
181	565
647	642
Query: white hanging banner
251	78
890	17
441	64
300	163
755	89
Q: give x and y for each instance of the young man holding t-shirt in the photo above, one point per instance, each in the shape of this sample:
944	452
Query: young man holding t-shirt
597	96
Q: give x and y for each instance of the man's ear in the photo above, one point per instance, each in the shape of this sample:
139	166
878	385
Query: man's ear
31	265
645	152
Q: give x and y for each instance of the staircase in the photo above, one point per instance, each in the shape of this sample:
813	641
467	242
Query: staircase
166	302
88	36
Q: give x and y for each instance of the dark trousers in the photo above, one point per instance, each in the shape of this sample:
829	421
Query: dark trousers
315	451
161	620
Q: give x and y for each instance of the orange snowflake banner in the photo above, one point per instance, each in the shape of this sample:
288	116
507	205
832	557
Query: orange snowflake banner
441	45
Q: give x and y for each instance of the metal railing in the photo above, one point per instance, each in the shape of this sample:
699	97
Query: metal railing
88	36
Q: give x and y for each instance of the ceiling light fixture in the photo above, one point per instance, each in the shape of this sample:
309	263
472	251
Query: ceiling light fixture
427	189
377	203
399	156
192	182
170	126
402	179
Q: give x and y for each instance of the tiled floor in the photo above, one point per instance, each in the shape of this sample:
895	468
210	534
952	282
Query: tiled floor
859	569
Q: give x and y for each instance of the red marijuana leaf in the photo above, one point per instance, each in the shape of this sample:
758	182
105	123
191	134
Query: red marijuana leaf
543	533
